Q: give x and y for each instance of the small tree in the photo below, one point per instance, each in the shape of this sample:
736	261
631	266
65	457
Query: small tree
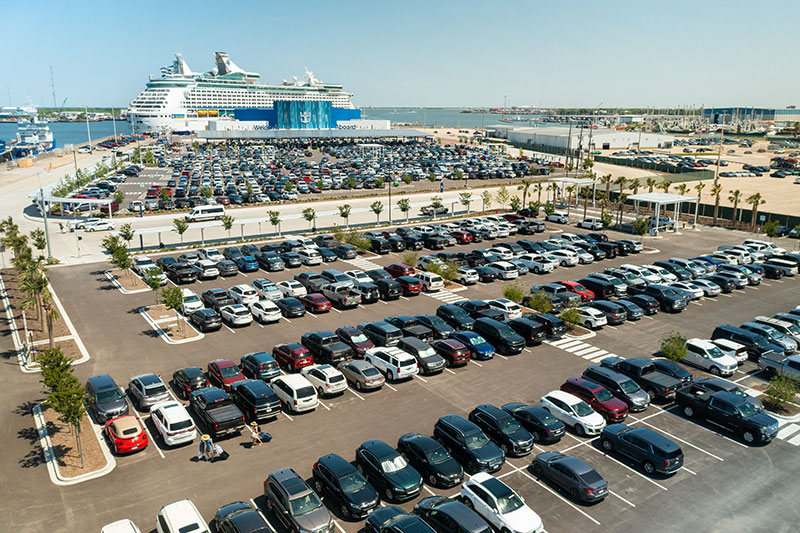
771	228
640	226
227	223
126	232
436	205
377	208
538	301
549	209
275	220
503	197
152	278
289	186
514	291
136	157
781	390
206	192
65	394
172	297
407	179
404	205
410	257
486	198
38	240
571	316
180	226
149	159
310	215
465	198
164	195
673	346
119	197
606	218
344	212
516	203
431	176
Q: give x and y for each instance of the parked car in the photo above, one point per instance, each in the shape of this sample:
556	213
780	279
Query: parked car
173	423
224	373
469	444
147	390
571	474
431	460
503	429
656	453
216	412
180	516
336	477
499	505
105	398
327	380
388	471
573	412
259	365
543	426
362	375
296	506
296	392
125	434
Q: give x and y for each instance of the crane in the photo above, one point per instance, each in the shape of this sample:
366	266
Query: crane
60	109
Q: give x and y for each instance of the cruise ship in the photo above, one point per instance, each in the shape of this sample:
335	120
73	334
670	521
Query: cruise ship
182	100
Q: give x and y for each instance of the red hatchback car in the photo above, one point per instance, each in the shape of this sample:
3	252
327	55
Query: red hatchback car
292	356
411	286
461	237
613	409
355	338
125	434
454	352
315	303
573	286
399	269
224	373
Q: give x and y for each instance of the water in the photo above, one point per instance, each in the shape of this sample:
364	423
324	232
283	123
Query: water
437	116
71	132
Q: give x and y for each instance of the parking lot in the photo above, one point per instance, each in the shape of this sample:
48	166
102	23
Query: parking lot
758	482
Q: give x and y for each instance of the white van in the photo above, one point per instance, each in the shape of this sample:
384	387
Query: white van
296	392
205	212
430	282
309	256
791	265
180	516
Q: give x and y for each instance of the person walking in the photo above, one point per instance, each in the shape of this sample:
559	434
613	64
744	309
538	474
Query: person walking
255	434
205	449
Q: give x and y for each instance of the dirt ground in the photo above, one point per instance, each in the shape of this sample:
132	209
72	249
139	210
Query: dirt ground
65	446
128	280
36	326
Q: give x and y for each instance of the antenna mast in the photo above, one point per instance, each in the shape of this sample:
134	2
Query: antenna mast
53	86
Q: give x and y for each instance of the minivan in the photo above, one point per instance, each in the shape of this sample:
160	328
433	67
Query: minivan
205	212
428	360
105	398
468	444
620	386
501	336
757	345
331	275
296	392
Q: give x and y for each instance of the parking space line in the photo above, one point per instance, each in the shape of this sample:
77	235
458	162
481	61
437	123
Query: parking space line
384	303
450	371
726	295
778	281
340	528
557	495
357	395
659	485
420	378
429	491
253	503
795	441
336	310
475	363
680	440
581	443
753	288
259	324
141	421
311	314
697	304
404	298
229	329
286	319
787	430
502	357
243	274
287	416
610	326
766	284
323	405
621	498
712	431
648	317
390	386
692	473
527	350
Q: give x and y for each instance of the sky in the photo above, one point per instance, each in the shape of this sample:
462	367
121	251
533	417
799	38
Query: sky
463	53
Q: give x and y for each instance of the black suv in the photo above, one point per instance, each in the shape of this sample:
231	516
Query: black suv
480	308
469	444
455	316
667	297
644	446
502	428
757	345
341	480
543	426
431	459
256	400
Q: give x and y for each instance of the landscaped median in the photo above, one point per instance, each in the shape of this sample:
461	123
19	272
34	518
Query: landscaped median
127	282
170	325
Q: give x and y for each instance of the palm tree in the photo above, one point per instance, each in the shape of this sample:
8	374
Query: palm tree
755	200
735	197
525	185
634	184
682	188
569	190
51	314
620	182
651	182
538	188
716	190
699	188
620	203
605	179
664	186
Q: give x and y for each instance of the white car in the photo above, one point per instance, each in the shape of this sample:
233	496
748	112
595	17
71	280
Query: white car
467	276
565	257
236	314
505	270
100	226
537	263
502	252
296	392
265	311
561	218
734	349
708	356
81	224
206	269
765	246
592	318
709	288
180	516
121	526
393	362
309	256
666	275
173	423
725	257
694	291
191	302
243	294
430	282
584	257
644	273
570	238
266	289
188	257
510	309
574	412
162	278
499	505
308	243
358	276
291	288
325	378
212	254
592	223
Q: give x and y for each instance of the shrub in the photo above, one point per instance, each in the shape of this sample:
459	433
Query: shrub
514	292
410	257
781	390
570	316
549	209
539	301
771	228
640	226
606	218
673	346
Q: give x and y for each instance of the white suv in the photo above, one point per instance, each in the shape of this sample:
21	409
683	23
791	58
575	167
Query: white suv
499	505
180	516
236	314
510	309
309	256
191	302
536	263
173	423
708	356
574	412
265	311
325	378
212	254
243	294
296	392
591	317
267	289
392	362
430	282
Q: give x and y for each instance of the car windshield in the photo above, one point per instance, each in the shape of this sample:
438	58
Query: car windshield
629	386
508	425
191	299
359	338
603	395
715	352
304	504
439	455
459	313
395	464
747	409
793	329
476	440
591	477
436	321
352	483
477	340
107	396
369	372
578	287
156	389
508	503
229	371
582	409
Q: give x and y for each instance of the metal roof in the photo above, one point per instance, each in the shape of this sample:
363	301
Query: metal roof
661	198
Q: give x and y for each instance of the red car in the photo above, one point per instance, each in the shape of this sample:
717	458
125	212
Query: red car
461	237
511	217
573	286
399	269
223	200
151	193
613	409
411	286
315	303
114	207
224	373
354	338
454	352
292	356
125	434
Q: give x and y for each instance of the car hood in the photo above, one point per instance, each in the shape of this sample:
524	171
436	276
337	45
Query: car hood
361	498
482	348
314	519
523	519
406	478
762	419
114	406
449	468
488	453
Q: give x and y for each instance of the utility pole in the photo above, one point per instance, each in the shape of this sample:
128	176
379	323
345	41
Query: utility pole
53	86
114	150
44	213
719	153
88	131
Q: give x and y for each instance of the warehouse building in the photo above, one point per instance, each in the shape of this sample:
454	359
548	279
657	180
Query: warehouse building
563	137
728	115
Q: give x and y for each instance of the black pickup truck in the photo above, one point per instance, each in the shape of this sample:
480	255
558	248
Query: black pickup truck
216	412
326	347
728	410
181	273
656	384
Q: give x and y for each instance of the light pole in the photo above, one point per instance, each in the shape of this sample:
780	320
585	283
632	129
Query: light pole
88	131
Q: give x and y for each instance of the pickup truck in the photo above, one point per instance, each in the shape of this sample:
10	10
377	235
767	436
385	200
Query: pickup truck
430	210
312	281
181	273
341	294
216	412
656	384
326	347
728	410
774	363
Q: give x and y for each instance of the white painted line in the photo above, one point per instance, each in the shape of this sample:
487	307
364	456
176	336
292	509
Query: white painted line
715	432
253	503
286	319
697	304
621	498
795	441
340	528
475	362
357	395
577	347
527	350
429	491
788	430
648	317
753	288
420	378
557	495
259	324
778	281
599	357
562	342
450	371
582	443
311	315
384	303
692	473
390	386
659	485
243	274
287	416
591	353
766	284
141	421
226	327
726	295
502	357
336	310
323	405
404	298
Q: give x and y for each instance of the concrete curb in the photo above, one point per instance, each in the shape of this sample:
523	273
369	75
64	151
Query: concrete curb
163	334
70	326
119	287
50	459
650	251
581	337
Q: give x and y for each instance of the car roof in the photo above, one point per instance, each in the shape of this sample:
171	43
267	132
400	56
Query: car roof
492	410
222	363
124	423
172	410
182	513
378	448
291	482
147	379
294	380
664	443
565	397
338	465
